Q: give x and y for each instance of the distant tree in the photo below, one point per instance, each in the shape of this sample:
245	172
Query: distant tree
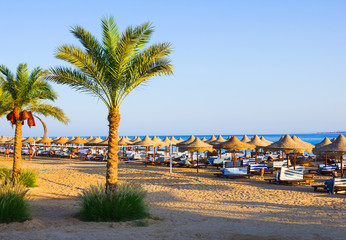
111	70
22	95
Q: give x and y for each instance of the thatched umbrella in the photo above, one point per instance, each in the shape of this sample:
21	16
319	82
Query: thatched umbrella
266	141
180	140
77	141
235	144
197	146
287	144
45	140
61	141
146	142
38	139
173	140
317	151
190	140
29	140
255	140
56	139
211	139
245	139
90	138
123	142
204	139
94	141
338	146
3	139
308	146
218	140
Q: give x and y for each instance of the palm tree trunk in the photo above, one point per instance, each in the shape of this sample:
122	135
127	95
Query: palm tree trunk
17	153
112	161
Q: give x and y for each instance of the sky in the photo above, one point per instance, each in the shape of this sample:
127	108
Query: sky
240	67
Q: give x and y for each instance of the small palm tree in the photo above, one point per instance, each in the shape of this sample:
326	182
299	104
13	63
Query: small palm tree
26	91
111	70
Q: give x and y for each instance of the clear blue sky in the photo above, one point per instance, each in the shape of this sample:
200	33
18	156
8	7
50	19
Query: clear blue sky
240	66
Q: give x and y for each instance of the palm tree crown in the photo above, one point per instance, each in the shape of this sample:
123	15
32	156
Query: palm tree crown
114	68
26	92
111	70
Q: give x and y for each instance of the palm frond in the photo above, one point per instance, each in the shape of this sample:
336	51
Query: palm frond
76	80
48	110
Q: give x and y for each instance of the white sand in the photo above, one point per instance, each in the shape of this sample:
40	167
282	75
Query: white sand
192	206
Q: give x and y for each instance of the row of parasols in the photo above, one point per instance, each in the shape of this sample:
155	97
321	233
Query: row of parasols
286	143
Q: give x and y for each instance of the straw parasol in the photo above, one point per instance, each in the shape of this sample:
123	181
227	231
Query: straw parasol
266	141
338	146
245	139
61	141
255	140
219	140
317	151
56	139
3	139
308	146
77	141
211	139
167	141
146	142
324	142
174	141
190	140
29	140
180	140
38	139
204	139
235	144
287	144
45	140
158	142
94	141
198	146
90	138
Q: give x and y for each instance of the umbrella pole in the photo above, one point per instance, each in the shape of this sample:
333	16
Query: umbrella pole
342	167
326	160
294	160
288	159
233	159
197	161
146	156
256	155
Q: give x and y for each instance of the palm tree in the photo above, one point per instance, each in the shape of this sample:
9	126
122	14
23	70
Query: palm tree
26	91
111	70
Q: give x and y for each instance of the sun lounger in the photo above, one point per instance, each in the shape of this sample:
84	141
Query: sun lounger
290	176
253	168
332	186
241	172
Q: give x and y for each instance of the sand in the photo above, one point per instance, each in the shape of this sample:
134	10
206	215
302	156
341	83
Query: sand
187	205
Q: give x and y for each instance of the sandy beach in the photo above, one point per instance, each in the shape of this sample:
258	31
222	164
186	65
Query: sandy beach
187	206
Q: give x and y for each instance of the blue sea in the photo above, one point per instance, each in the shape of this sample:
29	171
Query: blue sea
312	138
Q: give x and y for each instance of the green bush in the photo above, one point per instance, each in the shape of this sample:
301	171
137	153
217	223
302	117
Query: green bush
126	202
13	204
27	178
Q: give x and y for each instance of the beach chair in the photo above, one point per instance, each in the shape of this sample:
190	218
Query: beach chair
333	185
290	176
255	168
240	172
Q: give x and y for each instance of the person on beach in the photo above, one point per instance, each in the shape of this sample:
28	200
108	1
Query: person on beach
31	153
7	153
89	155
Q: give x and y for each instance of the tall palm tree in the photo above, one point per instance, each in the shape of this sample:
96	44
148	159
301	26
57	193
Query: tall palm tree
26	91
111	70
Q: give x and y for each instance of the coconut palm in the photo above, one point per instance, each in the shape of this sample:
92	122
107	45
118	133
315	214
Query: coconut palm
111	70
26	91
